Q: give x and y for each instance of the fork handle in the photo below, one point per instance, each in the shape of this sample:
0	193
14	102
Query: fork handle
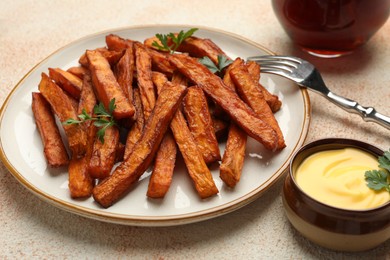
369	114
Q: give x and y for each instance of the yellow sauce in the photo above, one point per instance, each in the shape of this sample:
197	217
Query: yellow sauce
336	178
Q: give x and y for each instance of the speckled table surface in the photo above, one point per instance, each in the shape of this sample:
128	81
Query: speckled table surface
31	228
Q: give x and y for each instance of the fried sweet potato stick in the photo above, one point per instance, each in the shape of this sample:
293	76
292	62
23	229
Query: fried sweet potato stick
136	130
111	56
234	154
194	46
117	43
53	146
227	80
164	164
78	71
250	92
199	120
239	112
233	157
144	77
193	159
124	72
80	182
272	100
131	169
107	87
87	97
103	155
200	47
69	82
63	108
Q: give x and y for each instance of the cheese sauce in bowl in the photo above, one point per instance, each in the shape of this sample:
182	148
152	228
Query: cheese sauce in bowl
336	177
326	198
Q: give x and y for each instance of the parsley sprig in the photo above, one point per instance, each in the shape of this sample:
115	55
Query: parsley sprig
103	119
380	179
176	41
223	62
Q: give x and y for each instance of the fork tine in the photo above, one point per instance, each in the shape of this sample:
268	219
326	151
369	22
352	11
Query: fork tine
274	58
274	66
285	63
276	72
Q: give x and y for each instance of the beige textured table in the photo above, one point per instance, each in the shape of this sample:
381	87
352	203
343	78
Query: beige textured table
31	228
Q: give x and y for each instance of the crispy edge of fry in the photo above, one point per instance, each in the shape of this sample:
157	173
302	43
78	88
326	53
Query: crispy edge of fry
240	112
135	131
130	170
233	157
250	92
199	120
164	164
53	146
107	87
103	155
67	81
143	66
64	109
272	100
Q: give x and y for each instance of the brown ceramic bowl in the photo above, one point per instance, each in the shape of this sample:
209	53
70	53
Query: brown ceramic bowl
331	227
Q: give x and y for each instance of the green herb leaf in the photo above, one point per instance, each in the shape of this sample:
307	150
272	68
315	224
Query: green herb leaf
84	115
176	40
164	42
71	121
384	161
377	180
380	179
209	64
103	118
223	62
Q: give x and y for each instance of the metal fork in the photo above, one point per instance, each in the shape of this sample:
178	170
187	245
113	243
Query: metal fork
306	75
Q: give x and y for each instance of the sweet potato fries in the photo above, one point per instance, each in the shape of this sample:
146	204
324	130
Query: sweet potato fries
132	105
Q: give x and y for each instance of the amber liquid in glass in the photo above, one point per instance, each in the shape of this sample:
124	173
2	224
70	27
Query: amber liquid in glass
331	27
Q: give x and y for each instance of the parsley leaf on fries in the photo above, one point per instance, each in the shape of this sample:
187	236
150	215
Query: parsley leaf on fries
223	62
176	40
103	118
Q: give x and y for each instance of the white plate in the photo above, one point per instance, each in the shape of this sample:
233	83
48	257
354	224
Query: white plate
21	148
